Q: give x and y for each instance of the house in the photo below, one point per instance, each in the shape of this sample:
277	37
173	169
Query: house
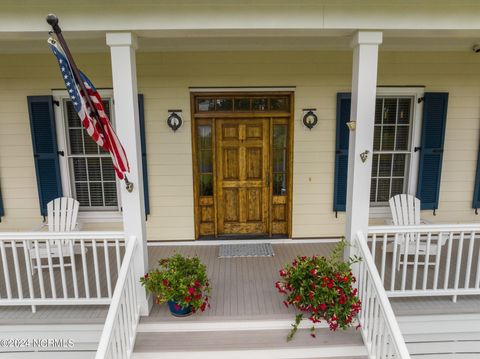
393	88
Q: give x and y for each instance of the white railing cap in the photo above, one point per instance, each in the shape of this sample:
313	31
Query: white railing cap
8	236
425	228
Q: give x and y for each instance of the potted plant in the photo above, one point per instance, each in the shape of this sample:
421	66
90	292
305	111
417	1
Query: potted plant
181	282
322	288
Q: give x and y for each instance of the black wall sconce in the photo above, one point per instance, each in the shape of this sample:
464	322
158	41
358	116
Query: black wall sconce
174	120
310	118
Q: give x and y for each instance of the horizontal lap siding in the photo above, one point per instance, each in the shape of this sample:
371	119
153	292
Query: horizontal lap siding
21	76
164	79
459	75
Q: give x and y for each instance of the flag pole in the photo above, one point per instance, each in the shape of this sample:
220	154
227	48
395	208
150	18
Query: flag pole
52	20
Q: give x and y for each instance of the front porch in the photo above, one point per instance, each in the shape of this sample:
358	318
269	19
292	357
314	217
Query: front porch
244	300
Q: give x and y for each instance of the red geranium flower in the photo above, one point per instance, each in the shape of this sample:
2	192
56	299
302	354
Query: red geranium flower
165	282
191	290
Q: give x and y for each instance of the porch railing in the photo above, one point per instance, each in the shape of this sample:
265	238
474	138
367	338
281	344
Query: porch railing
379	326
119	332
427	260
70	268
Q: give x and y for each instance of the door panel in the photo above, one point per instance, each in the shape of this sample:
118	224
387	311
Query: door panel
231	163
242	176
254	163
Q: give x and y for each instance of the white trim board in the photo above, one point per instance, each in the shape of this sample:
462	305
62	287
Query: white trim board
355	351
243	89
226	325
217	242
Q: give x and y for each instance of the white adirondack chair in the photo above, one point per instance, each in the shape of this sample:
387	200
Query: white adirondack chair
405	210
62	217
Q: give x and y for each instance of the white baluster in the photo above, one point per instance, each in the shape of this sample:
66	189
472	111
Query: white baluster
16	265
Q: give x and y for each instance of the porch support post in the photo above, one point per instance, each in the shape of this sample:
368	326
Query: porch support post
124	78
364	87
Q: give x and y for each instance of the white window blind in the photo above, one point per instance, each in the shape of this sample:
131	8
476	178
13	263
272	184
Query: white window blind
91	171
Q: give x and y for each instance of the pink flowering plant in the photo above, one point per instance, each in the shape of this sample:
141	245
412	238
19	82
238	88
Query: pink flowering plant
180	279
321	288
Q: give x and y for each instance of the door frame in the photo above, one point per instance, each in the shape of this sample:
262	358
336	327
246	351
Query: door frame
198	117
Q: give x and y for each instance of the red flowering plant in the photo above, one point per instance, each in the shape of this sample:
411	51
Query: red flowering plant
321	288
182	280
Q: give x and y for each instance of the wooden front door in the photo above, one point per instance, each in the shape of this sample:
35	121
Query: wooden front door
242	162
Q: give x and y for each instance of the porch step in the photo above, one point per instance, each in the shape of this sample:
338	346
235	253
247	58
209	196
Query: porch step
258	343
51	340
442	336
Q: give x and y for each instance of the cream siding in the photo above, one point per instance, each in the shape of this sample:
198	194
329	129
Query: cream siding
165	78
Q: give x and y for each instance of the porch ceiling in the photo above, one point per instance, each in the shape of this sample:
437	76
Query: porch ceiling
210	25
246	40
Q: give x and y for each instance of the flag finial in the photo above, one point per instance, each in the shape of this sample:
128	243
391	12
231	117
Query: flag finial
52	20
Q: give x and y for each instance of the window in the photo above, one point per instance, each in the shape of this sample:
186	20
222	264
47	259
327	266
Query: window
279	150
205	159
240	103
395	137
87	170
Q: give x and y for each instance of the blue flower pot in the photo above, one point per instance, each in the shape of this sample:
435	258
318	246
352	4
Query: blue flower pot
180	312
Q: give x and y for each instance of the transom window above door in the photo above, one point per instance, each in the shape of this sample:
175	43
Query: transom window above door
242	103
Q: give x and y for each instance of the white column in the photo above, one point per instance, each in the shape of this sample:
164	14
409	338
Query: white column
124	78
364	87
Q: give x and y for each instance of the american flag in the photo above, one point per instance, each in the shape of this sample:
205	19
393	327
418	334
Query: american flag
99	129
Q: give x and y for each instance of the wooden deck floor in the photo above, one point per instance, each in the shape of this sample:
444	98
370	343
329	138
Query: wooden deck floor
242	289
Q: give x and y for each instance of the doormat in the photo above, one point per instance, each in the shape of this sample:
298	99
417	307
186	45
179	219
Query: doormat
246	250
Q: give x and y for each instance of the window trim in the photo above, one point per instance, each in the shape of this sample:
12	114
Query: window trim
65	172
416	93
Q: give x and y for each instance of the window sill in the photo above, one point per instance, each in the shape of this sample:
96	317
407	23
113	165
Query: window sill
92	217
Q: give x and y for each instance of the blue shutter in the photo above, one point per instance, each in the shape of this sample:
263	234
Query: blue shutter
431	148
341	152
144	153
2	211
476	191
45	151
